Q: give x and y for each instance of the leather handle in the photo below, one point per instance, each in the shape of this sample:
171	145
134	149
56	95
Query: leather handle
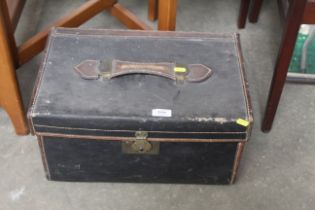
93	69
120	68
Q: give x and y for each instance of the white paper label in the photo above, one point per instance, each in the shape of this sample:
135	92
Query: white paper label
161	113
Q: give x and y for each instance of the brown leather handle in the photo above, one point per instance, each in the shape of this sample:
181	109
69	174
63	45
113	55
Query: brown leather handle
120	68
93	69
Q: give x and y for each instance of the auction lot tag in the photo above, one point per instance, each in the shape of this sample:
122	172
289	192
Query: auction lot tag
161	113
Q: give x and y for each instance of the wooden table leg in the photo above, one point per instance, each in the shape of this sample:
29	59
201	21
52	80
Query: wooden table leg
10	98
243	13
255	11
153	10
167	15
292	26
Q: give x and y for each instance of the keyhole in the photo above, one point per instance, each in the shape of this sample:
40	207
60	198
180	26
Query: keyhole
141	149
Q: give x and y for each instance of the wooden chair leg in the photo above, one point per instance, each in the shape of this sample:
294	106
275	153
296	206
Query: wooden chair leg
243	13
292	25
153	10
255	11
10	98
5	10
167	15
15	10
127	18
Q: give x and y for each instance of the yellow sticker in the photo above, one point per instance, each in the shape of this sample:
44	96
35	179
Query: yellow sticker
180	69
242	122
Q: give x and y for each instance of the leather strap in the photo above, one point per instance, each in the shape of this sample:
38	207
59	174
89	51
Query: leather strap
94	69
120	68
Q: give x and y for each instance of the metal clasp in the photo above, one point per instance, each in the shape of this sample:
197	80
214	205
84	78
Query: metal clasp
140	145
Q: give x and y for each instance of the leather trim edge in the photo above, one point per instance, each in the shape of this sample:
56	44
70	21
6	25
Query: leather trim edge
249	106
38	81
41	145
154	131
237	160
70	136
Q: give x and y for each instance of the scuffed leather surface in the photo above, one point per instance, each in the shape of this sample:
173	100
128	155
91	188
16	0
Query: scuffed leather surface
177	162
125	103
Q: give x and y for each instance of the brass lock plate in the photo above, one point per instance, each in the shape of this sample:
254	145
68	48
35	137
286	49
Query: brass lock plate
141	145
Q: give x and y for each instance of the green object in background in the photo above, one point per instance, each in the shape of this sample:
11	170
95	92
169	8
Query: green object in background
296	58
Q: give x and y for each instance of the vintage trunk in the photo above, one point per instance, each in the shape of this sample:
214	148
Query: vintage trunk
135	106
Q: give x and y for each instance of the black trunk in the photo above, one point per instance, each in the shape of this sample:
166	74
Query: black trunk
132	106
